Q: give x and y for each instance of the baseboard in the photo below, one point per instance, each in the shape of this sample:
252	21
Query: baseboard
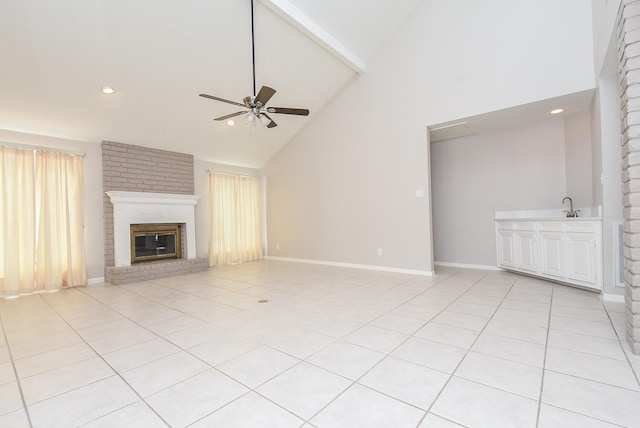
94	281
618	298
467	266
354	266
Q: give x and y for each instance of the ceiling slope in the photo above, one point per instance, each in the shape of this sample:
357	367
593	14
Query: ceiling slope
160	55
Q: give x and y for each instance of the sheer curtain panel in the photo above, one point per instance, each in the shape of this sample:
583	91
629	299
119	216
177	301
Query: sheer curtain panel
235	224
41	221
17	221
60	255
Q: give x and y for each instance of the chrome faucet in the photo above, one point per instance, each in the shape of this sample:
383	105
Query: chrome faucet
571	212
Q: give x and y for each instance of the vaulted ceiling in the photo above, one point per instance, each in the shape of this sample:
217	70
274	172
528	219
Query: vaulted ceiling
159	55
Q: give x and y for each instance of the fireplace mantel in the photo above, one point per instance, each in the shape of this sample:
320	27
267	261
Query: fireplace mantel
142	207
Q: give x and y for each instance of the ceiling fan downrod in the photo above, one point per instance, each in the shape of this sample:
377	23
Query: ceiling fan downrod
253	52
256	105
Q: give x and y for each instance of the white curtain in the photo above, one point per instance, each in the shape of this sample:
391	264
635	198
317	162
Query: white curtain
41	221
60	255
235	224
17	221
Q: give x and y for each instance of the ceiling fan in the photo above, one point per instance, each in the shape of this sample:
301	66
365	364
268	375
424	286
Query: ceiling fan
255	106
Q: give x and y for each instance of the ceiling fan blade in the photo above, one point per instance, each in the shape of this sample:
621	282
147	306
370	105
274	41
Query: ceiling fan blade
265	95
284	110
229	116
222	99
271	123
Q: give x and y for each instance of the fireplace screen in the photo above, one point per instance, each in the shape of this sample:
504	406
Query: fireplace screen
155	242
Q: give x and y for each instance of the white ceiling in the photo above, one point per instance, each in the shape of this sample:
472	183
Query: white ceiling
512	117
159	55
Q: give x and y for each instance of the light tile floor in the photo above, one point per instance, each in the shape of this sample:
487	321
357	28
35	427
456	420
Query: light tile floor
332	347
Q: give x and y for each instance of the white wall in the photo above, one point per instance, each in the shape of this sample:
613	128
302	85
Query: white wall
606	140
93	230
604	14
345	185
606	151
519	168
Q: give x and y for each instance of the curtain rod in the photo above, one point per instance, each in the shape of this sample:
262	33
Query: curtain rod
40	148
233	173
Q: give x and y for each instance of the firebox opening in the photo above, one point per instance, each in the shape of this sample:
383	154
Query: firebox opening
151	242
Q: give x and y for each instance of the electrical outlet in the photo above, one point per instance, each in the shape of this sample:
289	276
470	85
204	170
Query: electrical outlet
379	251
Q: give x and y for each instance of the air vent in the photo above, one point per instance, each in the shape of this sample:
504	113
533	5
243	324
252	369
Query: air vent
449	131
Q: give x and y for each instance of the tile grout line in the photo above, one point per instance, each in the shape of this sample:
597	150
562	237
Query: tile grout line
400	344
544	370
624	352
117	373
211	367
544	360
354	382
126	317
471	346
301	361
55	305
15	371
250	389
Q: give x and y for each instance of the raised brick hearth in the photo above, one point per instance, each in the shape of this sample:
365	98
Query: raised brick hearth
154	270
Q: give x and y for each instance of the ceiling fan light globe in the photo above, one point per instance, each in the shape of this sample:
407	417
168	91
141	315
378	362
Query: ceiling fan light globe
251	117
264	119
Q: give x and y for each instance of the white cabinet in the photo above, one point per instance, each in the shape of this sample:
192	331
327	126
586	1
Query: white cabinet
526	246
505	244
581	252
561	250
552	249
516	245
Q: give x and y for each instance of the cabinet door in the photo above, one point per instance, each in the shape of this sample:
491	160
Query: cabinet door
581	257
552	249
505	247
526	250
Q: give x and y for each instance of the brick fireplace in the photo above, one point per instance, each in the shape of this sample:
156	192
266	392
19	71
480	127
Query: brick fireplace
148	186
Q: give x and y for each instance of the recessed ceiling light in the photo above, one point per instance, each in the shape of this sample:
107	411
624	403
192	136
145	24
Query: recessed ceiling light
106	89
556	111
230	122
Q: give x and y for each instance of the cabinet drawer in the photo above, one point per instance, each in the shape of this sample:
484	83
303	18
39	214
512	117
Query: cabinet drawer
550	226
526	225
580	226
505	225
